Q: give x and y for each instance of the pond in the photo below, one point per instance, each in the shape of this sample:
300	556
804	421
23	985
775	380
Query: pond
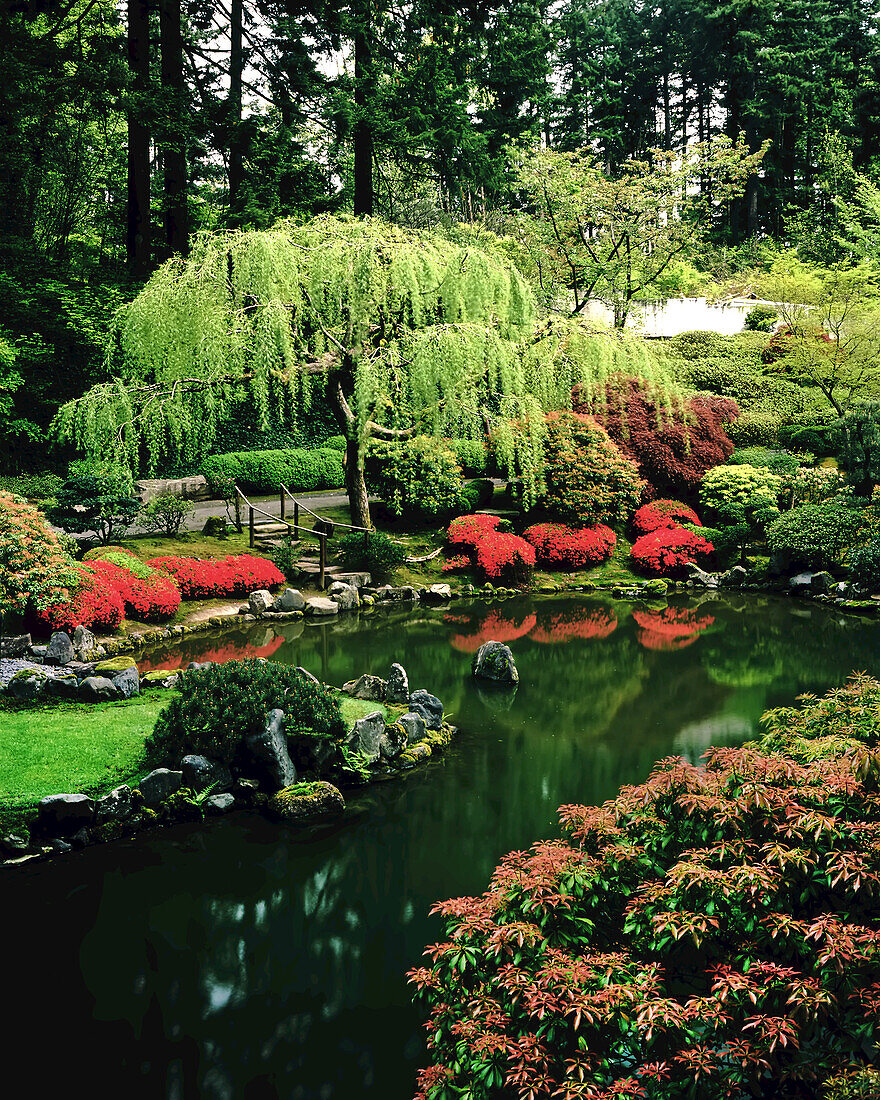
237	961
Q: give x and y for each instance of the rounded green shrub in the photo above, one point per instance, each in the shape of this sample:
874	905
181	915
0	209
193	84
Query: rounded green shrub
375	552
864	564
217	707
761	319
815	535
472	455
782	463
420	478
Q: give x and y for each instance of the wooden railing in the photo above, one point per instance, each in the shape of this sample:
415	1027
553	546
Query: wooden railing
294	529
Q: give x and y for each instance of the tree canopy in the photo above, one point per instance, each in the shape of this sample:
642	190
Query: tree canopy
404	332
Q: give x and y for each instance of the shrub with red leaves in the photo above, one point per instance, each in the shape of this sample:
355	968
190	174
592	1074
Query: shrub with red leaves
561	547
665	552
671	627
95	603
458	561
785	340
211	578
671	449
468	530
712	932
499	555
663	513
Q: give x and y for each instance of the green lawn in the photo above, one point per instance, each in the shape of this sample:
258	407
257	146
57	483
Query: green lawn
71	747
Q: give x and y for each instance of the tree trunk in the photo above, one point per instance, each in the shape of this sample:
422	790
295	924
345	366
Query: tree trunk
174	152
363	99
138	234
355	485
236	152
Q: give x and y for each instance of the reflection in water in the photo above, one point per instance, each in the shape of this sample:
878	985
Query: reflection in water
237	961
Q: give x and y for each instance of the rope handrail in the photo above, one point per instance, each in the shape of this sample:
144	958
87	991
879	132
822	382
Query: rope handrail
268	515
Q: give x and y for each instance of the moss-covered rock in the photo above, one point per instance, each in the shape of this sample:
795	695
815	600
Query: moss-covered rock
305	802
114	664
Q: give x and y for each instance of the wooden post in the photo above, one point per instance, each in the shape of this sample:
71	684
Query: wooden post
282	504
296	518
323	559
251	525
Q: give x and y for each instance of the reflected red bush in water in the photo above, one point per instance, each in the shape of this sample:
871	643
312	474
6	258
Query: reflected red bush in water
228	649
598	622
494	628
671	628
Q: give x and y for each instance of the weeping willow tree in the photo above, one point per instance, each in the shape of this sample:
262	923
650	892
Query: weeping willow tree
405	333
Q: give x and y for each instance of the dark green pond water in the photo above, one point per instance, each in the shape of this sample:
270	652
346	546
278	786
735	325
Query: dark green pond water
236	961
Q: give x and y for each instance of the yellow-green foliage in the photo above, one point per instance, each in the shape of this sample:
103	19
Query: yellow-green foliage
433	331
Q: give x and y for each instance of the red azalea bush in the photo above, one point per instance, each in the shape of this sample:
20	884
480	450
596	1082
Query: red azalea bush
94	603
499	555
597	623
152	600
663	513
672	448
558	546
671	627
712	932
468	530
236	575
668	550
35	571
458	561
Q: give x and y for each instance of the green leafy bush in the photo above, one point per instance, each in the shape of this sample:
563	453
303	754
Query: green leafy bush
96	499
33	487
334	443
375	553
472	455
262	471
741	501
420	478
166	513
588	479
475	495
815	535
819	439
860	446
782	463
217	707
864	564
761	319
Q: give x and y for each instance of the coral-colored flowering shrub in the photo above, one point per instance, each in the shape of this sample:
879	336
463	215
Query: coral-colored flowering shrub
235	575
467	531
672	449
714	928
663	513
494	628
597	623
505	555
558	546
668	550
152	600
35	572
671	627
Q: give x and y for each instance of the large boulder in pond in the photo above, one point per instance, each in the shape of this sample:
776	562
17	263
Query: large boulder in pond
127	683
260	601
306	802
317	606
393	741
115	806
28	684
345	595
161	783
428	706
64	814
366	735
268	750
199	773
397	685
494	661
370	688
291	599
415	727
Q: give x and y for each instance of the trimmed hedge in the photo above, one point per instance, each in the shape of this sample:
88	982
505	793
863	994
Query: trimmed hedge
262	471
